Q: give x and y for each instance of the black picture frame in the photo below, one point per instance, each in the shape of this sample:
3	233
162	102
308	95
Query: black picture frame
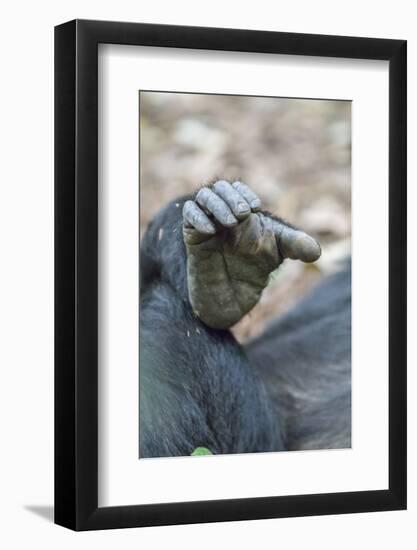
76	272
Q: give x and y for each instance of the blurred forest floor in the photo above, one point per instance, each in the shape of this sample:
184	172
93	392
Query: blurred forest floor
295	153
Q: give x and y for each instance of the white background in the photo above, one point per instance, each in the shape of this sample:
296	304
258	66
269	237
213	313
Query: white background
26	301
123	479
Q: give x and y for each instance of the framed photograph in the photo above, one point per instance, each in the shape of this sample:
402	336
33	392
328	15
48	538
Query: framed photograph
230	254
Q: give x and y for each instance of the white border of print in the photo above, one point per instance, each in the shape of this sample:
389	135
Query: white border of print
123	478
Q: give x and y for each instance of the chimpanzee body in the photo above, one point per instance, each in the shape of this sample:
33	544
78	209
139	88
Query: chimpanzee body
288	389
304	359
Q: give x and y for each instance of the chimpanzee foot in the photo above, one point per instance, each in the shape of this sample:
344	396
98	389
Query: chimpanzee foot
232	247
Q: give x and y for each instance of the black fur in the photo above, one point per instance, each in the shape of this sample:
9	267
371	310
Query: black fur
197	385
304	358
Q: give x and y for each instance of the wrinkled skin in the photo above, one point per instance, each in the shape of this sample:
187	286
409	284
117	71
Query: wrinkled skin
287	389
232	247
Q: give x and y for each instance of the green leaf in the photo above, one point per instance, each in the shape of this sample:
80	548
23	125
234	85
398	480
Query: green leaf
200	451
